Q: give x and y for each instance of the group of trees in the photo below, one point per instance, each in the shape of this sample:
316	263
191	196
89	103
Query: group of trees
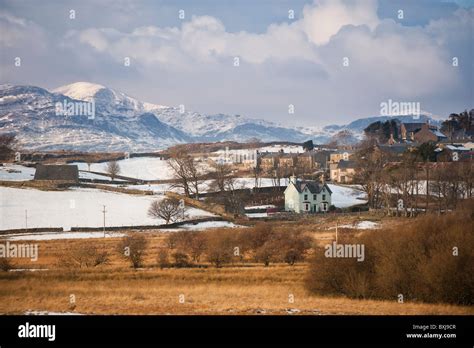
383	130
263	243
410	182
456	122
7	146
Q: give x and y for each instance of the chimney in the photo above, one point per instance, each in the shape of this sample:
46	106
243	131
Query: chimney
391	141
293	179
323	179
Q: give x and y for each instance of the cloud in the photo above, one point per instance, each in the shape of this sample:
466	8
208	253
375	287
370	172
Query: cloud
325	18
297	62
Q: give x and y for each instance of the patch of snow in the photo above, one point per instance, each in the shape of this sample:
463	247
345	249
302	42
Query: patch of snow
210	224
343	197
256	215
361	225
285	148
62	235
50	313
261	206
16	172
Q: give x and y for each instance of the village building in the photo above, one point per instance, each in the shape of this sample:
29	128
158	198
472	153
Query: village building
454	152
342	172
60	173
408	130
307	160
428	133
303	196
340	155
269	161
287	160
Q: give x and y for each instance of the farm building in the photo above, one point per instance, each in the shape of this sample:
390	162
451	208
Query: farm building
65	173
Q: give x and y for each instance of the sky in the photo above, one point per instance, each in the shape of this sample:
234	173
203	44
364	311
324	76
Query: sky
333	61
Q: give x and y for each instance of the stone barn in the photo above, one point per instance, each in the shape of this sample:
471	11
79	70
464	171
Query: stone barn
63	173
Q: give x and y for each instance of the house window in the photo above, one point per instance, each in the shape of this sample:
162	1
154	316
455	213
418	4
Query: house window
305	197
325	207
324	197
306	206
314	197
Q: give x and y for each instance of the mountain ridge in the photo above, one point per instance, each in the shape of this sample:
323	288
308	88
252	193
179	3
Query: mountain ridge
124	123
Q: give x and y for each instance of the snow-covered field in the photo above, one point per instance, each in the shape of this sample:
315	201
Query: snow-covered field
62	235
76	207
87	175
16	172
205	185
144	168
343	197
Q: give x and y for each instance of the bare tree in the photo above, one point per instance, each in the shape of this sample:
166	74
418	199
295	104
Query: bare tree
223	180
168	209
186	172
113	169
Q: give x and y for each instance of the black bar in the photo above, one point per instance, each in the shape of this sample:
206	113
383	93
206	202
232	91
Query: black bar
240	330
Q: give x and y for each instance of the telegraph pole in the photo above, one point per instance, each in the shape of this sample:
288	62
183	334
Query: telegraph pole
104	211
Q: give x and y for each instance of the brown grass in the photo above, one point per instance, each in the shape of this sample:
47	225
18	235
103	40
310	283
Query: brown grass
233	290
247	288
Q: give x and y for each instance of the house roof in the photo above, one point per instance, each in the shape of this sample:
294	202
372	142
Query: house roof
313	186
457	148
341	152
413	127
438	134
395	148
346	164
57	172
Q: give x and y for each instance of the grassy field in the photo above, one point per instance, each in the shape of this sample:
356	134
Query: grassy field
234	289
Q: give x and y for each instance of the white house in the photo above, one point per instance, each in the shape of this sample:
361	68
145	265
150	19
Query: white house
307	196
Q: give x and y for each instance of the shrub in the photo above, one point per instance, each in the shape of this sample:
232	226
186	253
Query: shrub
220	246
133	248
417	261
181	260
84	256
5	264
163	258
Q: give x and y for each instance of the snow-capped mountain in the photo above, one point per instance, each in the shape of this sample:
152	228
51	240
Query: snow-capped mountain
31	113
107	100
120	123
123	123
